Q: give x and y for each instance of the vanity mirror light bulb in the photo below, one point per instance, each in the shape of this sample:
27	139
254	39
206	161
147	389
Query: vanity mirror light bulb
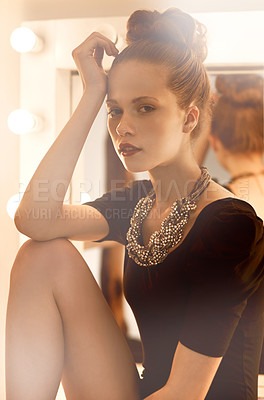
13	204
85	197
24	40
22	121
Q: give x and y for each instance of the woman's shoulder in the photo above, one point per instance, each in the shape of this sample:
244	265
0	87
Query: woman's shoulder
231	205
230	222
231	208
219	204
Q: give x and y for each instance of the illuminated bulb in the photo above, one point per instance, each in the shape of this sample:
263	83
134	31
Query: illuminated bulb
85	197
12	205
22	121
24	40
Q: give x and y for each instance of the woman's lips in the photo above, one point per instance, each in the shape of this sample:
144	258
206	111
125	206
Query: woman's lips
127	150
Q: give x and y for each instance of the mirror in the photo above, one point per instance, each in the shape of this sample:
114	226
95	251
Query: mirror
51	88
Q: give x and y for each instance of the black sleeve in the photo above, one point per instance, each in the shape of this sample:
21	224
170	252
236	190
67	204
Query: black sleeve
225	267
117	206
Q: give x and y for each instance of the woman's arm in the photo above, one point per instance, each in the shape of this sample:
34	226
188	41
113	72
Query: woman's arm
45	193
190	378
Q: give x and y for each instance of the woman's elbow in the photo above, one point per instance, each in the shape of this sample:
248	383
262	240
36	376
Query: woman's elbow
34	229
19	221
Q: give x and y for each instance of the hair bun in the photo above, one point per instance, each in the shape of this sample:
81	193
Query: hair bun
242	89
171	26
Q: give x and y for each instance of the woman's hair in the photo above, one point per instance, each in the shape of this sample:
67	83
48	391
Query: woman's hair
177	41
238	113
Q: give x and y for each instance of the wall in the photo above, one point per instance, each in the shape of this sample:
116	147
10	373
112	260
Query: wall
9	158
12	12
93	8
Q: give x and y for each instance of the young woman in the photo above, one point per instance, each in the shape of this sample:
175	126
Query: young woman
194	252
237	138
237	135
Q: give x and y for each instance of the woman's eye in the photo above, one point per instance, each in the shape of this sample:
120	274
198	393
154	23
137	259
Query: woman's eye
146	109
114	112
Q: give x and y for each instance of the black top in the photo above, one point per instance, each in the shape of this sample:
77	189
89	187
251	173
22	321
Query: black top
208	293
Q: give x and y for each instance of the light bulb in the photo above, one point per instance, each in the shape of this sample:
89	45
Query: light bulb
85	197
22	121
24	40
12	204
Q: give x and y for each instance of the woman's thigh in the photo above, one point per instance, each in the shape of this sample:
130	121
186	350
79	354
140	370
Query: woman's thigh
97	363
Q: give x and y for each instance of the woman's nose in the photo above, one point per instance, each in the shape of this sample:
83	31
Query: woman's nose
124	128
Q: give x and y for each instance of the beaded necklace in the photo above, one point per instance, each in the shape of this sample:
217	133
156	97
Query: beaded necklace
171	231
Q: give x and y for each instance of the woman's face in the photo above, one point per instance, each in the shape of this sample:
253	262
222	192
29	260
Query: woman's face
144	120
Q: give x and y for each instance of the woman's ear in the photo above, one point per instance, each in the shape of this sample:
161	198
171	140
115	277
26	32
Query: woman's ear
191	119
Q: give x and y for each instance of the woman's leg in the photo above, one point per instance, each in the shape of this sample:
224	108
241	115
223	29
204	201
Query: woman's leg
59	324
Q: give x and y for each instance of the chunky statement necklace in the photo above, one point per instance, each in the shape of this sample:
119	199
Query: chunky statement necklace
171	231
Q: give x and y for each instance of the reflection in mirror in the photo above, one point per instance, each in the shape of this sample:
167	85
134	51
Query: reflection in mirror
236	138
218	170
235	157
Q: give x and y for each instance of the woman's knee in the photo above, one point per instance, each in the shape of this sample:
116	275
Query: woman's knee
37	258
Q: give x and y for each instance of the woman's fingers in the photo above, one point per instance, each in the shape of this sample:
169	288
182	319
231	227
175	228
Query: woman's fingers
110	47
88	58
98	55
94	41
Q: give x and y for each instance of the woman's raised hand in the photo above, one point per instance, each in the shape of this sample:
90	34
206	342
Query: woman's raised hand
88	58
